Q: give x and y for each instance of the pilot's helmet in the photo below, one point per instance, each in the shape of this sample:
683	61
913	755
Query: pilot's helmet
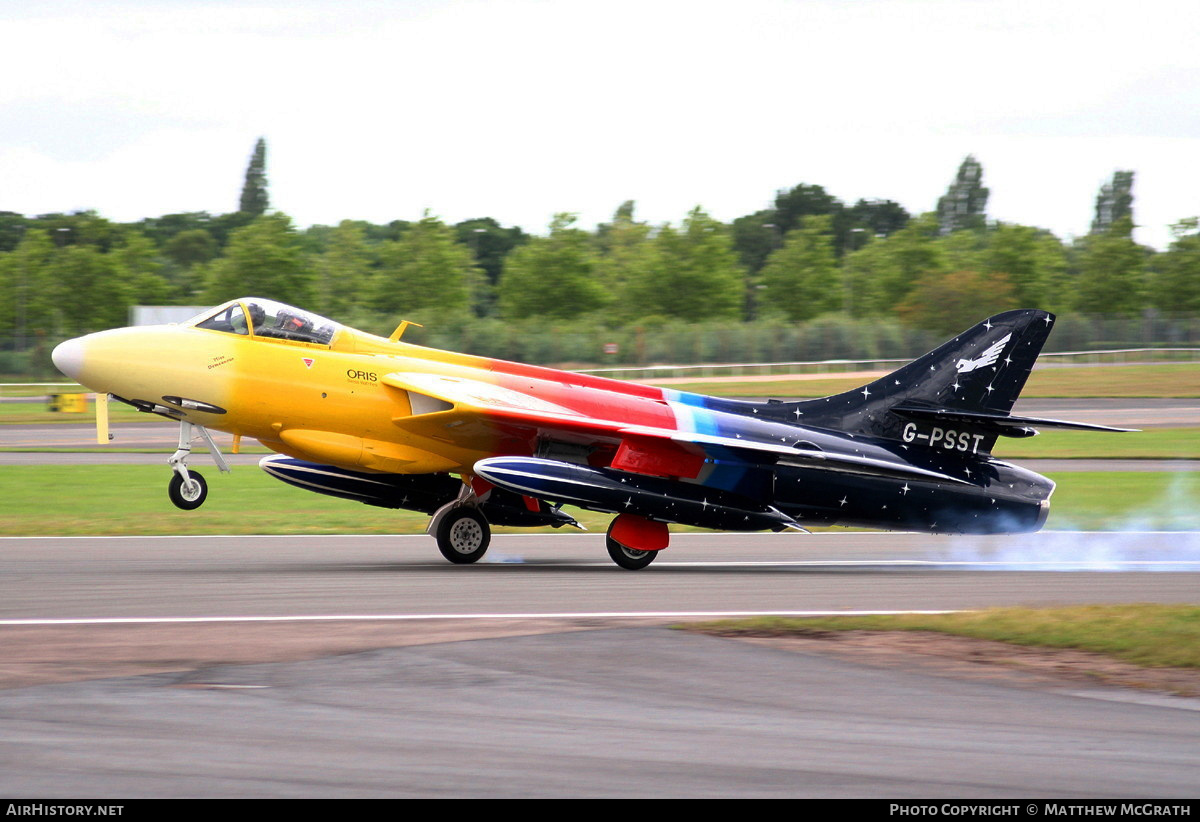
257	315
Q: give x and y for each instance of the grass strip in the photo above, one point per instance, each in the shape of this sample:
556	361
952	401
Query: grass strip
1148	635
1151	443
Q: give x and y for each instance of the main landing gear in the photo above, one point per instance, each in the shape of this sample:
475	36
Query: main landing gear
631	559
461	530
188	489
628	530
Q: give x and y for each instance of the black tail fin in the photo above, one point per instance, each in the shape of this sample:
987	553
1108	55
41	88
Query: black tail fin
970	382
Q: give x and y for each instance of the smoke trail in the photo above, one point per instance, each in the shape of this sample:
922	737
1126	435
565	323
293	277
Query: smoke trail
1161	536
1079	551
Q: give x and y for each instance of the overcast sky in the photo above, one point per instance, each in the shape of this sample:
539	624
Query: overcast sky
517	109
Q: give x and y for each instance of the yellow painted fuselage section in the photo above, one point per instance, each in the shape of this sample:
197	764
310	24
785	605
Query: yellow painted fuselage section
321	403
355	400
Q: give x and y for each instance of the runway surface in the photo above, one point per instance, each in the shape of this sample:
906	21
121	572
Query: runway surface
595	699
559	573
621	713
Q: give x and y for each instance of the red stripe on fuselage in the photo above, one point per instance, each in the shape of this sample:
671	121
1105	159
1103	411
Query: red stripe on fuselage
596	397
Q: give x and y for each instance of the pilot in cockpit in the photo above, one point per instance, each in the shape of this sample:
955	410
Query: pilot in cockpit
258	318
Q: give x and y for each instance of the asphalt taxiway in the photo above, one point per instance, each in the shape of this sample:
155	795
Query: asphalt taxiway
367	666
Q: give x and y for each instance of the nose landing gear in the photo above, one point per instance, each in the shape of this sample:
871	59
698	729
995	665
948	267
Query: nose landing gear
188	489
188	493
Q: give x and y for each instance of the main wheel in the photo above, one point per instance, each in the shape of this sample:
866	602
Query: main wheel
463	535
188	495
631	559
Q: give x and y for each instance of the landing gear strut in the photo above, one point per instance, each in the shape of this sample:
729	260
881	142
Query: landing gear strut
188	489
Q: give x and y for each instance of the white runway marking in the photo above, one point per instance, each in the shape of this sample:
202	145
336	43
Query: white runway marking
412	617
934	563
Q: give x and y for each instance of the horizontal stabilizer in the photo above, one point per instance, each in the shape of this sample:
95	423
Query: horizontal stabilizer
1005	425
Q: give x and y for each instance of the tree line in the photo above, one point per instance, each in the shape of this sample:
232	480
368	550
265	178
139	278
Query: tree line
806	257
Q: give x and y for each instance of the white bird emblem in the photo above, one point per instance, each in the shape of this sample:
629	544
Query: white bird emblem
988	357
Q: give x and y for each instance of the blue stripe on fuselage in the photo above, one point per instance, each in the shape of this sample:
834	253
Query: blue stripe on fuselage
692	414
726	470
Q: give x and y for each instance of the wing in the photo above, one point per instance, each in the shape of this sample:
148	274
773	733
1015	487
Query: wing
471	412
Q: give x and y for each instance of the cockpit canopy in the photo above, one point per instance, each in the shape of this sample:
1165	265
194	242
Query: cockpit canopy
269	319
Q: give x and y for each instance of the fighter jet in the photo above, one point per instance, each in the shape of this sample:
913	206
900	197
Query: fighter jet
476	442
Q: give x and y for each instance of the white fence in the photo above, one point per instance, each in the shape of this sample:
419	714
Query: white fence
1121	356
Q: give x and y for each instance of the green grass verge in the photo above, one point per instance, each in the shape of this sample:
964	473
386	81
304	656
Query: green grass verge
1151	443
132	500
1143	634
1125	500
1165	381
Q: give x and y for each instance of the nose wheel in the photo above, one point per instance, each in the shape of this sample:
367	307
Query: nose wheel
188	494
187	488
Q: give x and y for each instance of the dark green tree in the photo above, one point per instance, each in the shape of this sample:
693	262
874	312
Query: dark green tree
623	215
1114	202
948	303
490	243
136	261
12	228
343	269
162	229
696	275
801	279
791	205
254	191
1111	272
1034	261
263	259
628	259
881	218
425	271
909	255
187	248
965	202
755	236
92	292
553	276
1176	278
81	228
28	293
